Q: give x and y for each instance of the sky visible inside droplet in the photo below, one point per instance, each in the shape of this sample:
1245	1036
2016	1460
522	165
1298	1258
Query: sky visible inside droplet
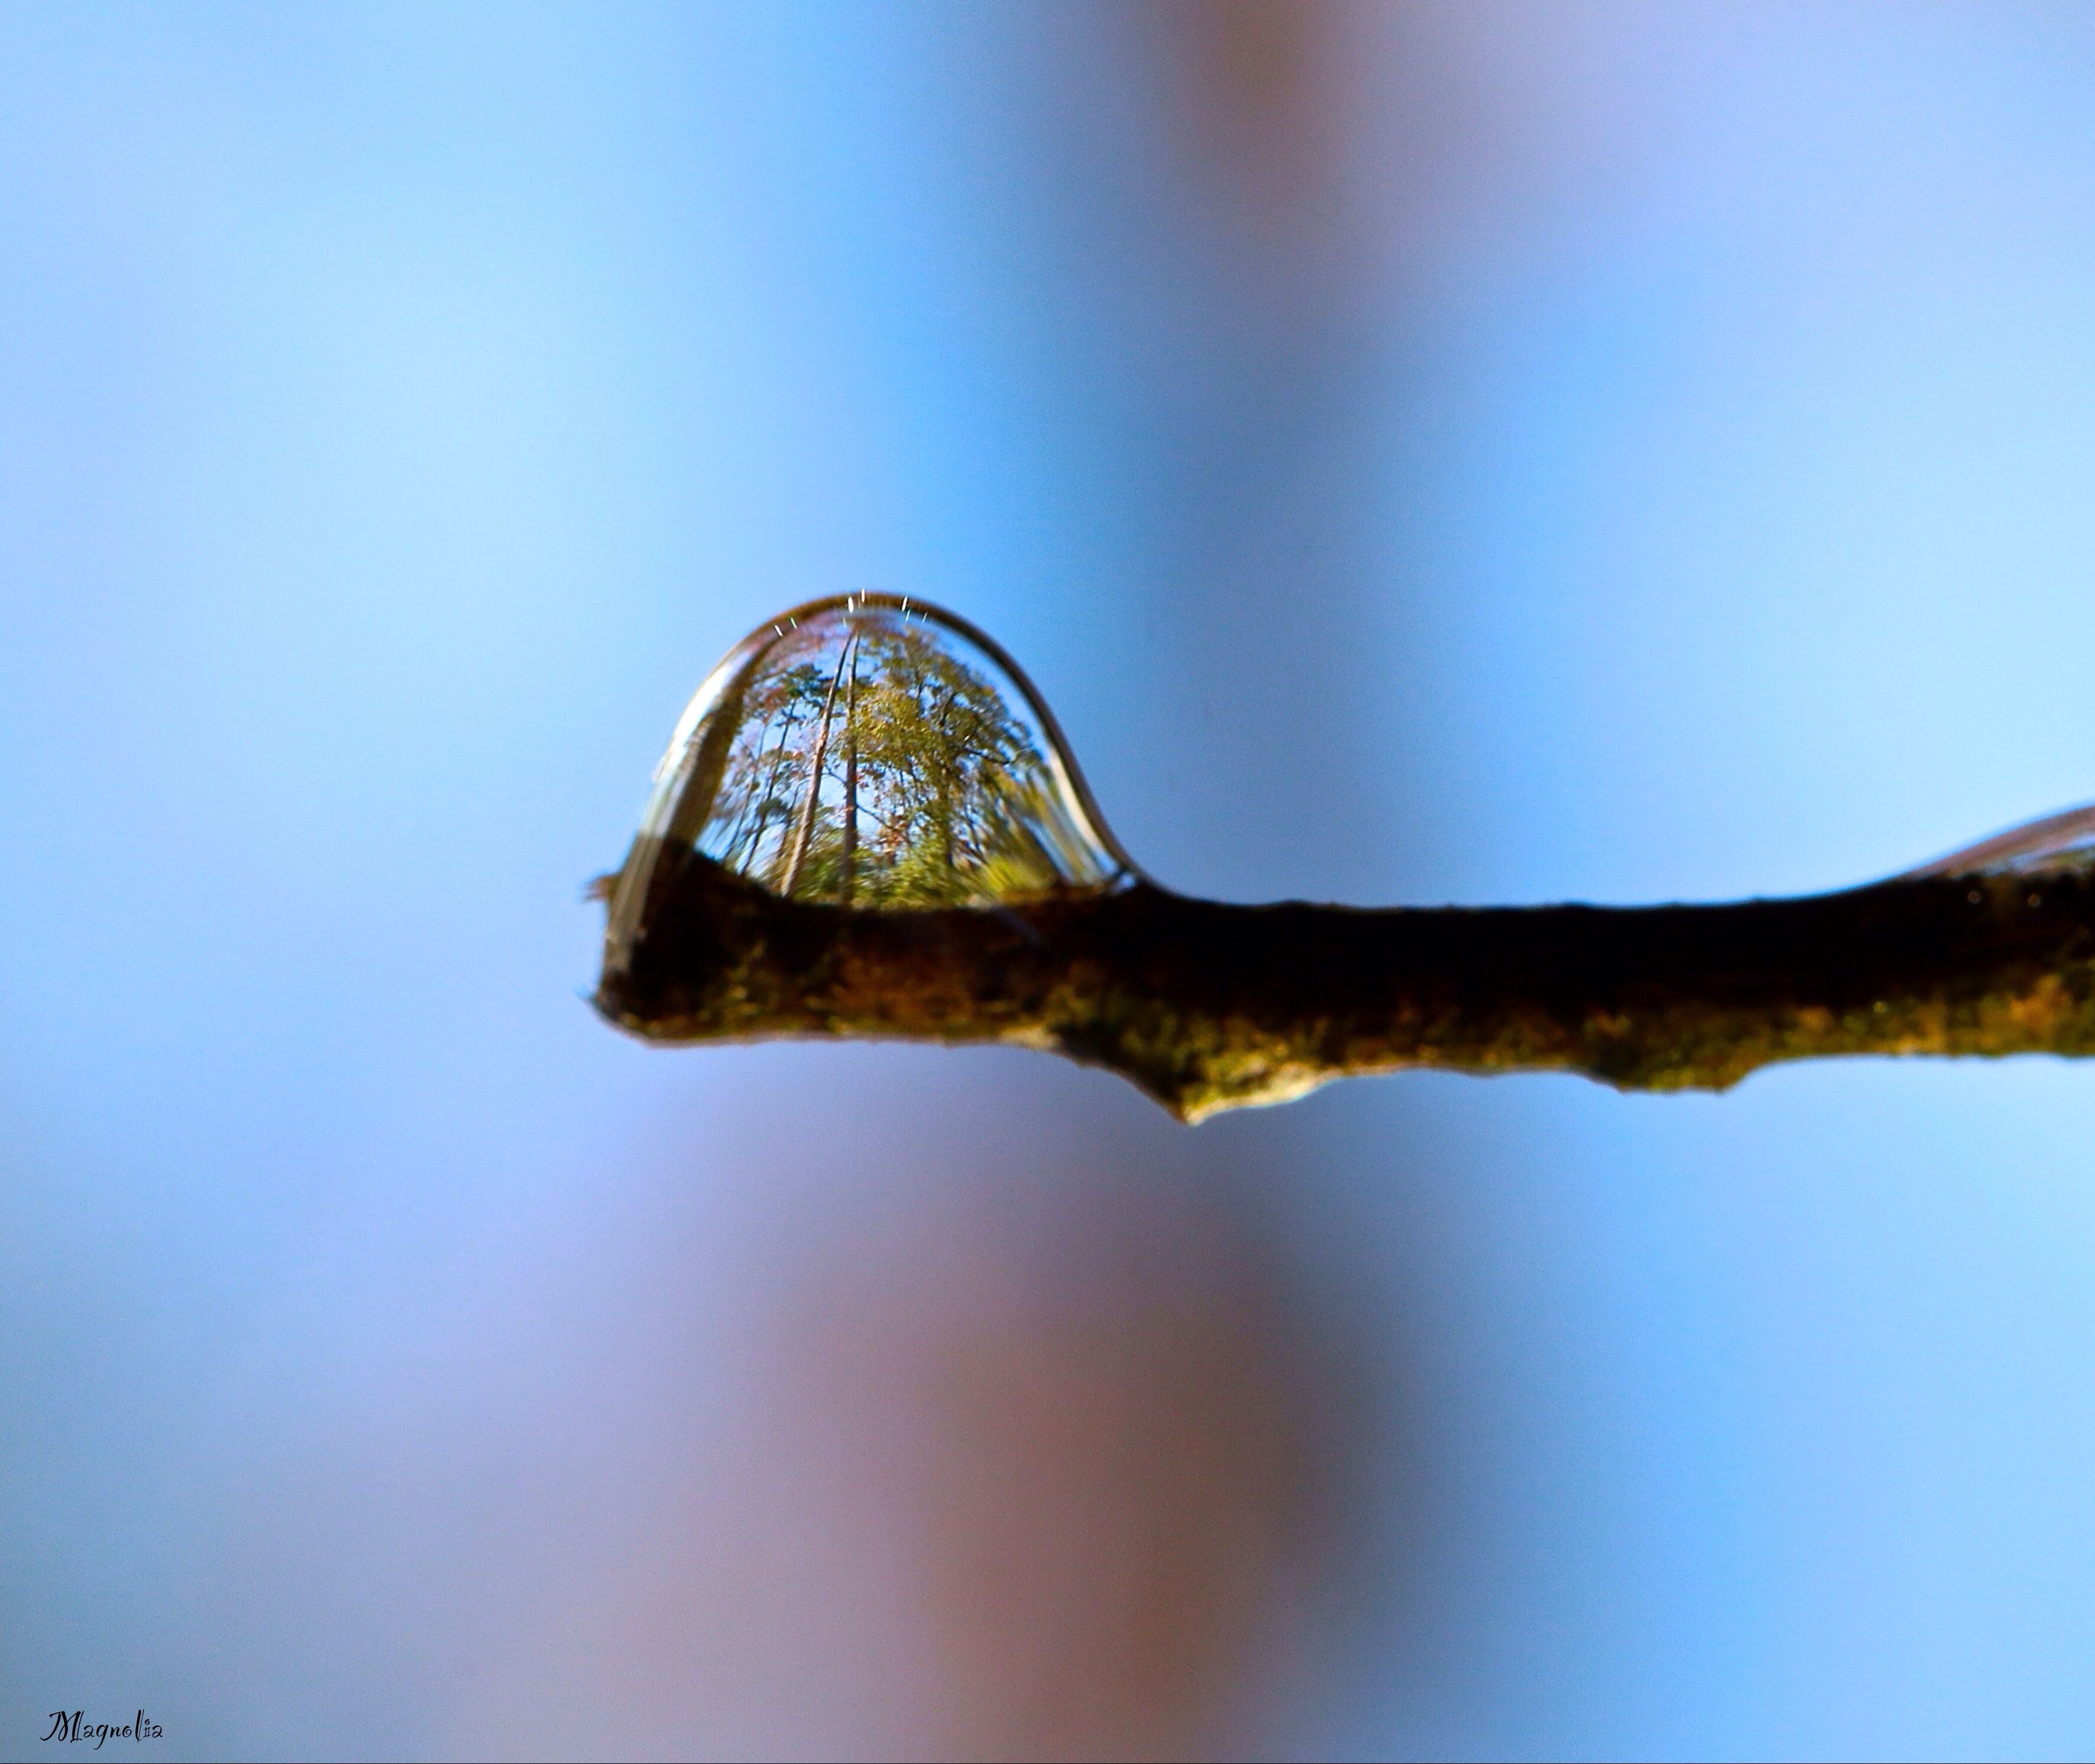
1426	453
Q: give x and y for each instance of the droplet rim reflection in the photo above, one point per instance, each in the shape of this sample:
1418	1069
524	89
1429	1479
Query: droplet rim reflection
2051	845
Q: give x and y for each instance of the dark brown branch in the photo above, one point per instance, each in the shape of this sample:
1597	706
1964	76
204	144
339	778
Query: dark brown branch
1209	1007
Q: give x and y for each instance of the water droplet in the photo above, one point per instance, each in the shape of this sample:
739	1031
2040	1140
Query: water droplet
2058	845
872	752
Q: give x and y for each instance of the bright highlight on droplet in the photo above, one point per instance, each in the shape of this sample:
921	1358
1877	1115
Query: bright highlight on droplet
875	752
2057	845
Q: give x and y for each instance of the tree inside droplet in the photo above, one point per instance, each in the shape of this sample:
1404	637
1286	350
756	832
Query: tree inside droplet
876	753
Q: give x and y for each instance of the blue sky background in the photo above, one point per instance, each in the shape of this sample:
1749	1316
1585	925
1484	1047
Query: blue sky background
1456	453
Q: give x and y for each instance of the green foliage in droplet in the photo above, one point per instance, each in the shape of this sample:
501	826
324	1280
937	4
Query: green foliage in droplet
875	768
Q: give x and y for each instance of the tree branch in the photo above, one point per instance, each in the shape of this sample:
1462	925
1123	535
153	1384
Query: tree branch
1207	1006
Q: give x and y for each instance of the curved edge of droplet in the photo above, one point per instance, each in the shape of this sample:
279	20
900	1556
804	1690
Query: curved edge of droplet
2063	842
626	891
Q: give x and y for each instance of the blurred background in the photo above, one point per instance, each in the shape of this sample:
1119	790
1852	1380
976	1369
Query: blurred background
1464	452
